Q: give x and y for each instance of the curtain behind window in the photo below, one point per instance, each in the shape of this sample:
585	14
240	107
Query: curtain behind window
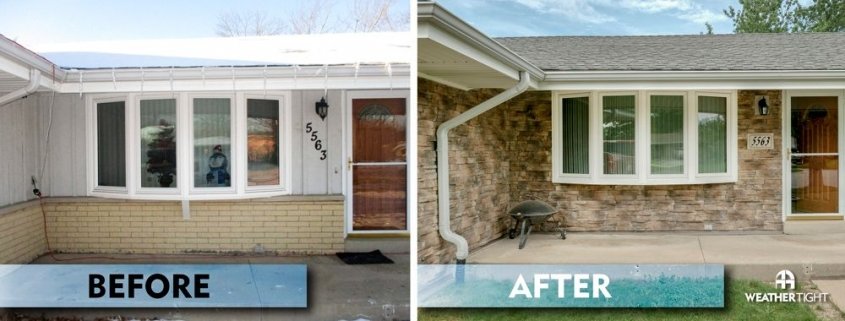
712	134
575	135
111	141
667	134
618	127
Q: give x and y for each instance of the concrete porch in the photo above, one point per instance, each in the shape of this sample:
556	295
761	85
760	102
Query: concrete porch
336	291
809	249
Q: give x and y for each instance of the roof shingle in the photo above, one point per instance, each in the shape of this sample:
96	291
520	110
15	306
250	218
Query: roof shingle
797	51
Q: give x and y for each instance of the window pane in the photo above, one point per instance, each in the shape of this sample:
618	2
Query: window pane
667	134
712	134
618	127
815	184
111	152
575	136
379	130
262	142
814	125
380	198
212	146
158	143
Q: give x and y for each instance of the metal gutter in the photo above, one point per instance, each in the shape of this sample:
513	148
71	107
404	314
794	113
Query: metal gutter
597	75
444	225
31	87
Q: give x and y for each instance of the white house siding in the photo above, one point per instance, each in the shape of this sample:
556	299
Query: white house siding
64	174
312	176
23	130
19	150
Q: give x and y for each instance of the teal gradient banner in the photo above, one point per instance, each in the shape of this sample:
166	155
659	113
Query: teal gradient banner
571	286
154	285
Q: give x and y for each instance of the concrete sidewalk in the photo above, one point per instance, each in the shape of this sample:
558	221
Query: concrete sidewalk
746	255
336	291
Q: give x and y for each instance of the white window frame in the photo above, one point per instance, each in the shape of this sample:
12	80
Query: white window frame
622	179
136	149
93	140
234	162
285	152
642	138
184	148
557	136
686	130
731	144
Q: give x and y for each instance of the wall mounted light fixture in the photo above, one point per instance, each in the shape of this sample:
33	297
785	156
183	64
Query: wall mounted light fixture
762	105
322	108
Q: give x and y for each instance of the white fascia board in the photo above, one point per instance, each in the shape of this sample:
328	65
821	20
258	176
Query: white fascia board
438	24
656	80
22	71
26	59
395	76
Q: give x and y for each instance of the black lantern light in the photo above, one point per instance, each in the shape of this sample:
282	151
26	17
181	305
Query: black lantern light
322	108
762	106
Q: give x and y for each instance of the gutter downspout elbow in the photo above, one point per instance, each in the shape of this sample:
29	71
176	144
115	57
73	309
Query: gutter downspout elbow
444	215
31	87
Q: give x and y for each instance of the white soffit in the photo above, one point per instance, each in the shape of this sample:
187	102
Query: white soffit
456	54
441	64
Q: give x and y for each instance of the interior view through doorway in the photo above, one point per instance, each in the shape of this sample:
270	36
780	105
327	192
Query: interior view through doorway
813	153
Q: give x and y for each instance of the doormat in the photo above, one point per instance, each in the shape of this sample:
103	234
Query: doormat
374	257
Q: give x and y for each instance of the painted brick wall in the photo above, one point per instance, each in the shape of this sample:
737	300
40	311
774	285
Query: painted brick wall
119	226
21	233
504	156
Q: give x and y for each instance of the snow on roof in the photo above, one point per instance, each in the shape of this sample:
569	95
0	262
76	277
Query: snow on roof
348	48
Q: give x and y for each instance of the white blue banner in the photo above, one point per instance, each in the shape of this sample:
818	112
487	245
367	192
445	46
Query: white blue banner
154	285
575	286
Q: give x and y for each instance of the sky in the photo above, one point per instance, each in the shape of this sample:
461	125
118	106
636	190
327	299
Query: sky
500	18
34	22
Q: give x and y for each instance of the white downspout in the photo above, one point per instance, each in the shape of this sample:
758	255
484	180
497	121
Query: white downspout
31	87
444	225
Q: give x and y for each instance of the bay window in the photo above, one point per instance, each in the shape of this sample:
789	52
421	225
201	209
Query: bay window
644	137
195	146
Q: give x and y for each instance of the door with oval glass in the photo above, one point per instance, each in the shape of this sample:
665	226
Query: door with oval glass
378	164
813	152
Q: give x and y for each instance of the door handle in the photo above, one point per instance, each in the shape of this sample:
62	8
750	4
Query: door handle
349	164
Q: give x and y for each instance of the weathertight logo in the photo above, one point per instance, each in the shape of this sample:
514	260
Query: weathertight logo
785	280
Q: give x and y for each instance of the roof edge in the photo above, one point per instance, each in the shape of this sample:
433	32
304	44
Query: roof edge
434	14
28	57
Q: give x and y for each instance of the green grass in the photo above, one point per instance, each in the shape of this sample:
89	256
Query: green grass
736	309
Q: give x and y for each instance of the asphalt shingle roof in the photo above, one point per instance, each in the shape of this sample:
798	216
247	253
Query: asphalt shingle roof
800	51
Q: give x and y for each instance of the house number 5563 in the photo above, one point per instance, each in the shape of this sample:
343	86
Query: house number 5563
318	143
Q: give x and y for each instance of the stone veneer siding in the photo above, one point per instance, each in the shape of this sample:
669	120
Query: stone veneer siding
307	225
504	156
21	233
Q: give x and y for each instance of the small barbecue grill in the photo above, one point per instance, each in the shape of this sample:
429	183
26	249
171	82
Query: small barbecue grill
528	213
